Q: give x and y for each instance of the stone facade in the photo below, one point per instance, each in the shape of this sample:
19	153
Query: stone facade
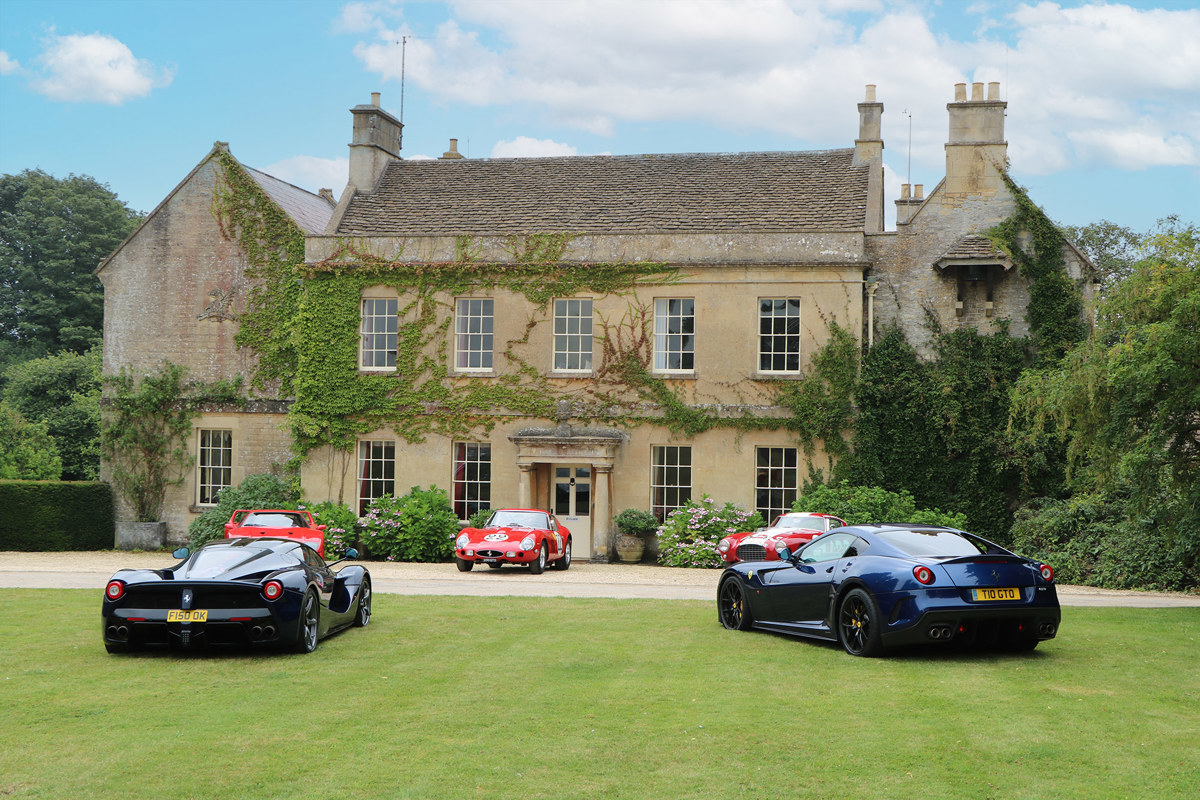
739	229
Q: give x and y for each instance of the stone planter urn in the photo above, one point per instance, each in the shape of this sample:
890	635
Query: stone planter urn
141	535
630	548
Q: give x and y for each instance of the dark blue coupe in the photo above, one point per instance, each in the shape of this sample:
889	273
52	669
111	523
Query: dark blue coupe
872	587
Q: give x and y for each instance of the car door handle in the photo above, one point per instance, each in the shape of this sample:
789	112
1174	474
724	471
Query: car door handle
829	570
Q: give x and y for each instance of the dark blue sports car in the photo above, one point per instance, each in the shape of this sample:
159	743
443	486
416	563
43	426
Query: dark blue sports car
252	591
871	587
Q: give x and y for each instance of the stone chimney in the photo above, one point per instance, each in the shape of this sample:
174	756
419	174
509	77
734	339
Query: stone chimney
976	150
911	199
376	142
453	151
868	147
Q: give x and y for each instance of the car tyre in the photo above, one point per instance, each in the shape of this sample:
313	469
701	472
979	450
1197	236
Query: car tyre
564	563
859	624
310	624
463	564
363	617
497	565
732	608
538	565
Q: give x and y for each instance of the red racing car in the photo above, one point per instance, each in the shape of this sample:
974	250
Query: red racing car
788	530
515	536
298	525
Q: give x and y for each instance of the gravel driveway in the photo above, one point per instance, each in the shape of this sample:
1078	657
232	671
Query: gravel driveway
92	570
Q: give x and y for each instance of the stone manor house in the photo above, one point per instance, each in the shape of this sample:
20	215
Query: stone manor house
538	332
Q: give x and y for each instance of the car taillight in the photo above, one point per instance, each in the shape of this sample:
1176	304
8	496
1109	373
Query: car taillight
115	590
272	590
1047	573
923	575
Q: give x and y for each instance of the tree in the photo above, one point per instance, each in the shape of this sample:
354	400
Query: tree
53	234
1127	402
26	451
1113	248
63	392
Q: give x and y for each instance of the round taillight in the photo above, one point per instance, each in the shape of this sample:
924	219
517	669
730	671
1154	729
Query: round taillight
923	575
272	590
115	590
1047	572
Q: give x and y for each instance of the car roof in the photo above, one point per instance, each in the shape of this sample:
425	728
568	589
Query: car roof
269	543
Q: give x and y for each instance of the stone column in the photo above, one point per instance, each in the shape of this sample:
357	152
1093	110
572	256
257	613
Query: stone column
602	519
525	486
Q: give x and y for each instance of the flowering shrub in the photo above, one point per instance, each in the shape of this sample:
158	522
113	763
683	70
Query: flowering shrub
689	536
339	520
420	526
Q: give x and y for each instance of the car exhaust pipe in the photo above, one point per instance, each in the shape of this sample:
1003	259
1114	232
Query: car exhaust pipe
115	632
1046	629
256	632
269	632
940	632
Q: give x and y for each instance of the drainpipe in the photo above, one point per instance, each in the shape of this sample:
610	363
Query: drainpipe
872	286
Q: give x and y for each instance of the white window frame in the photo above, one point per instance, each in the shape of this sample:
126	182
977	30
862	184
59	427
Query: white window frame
573	335
675	335
775	324
474	334
670	478
378	326
376	470
776	473
472	479
212	477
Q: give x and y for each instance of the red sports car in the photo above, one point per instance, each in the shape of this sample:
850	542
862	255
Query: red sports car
298	525
788	530
515	536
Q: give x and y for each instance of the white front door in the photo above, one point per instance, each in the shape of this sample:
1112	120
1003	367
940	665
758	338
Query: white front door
573	505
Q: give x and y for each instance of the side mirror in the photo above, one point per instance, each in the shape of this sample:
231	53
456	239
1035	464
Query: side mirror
351	553
785	553
181	553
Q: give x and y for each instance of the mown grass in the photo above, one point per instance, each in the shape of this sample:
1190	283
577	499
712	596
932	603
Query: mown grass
546	698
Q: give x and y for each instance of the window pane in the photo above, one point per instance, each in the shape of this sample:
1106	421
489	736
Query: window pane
573	344
376	470
779	334
671	478
473	328
472	478
776	480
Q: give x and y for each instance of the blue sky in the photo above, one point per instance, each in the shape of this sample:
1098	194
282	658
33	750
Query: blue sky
1103	116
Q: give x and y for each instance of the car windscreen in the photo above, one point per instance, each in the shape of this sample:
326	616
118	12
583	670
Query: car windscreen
811	523
517	519
932	543
274	521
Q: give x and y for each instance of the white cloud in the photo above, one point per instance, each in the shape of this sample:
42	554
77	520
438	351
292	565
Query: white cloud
95	68
311	173
525	147
8	66
1090	84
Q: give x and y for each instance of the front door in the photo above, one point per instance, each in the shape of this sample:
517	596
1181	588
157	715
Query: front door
573	505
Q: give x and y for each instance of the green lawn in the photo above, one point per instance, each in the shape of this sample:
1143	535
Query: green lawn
445	697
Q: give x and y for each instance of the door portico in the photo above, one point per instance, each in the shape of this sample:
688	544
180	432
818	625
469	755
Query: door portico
550	458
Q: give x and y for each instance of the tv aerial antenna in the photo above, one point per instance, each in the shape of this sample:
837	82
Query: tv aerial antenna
908	114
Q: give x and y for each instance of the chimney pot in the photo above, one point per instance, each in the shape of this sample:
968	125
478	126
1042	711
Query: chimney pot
870	93
374	98
919	191
960	92
904	191
976	91
994	90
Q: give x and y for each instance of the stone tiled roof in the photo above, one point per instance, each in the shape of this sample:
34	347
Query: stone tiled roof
973	248
311	212
675	193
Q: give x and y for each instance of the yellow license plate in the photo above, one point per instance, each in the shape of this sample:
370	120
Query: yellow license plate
187	615
997	594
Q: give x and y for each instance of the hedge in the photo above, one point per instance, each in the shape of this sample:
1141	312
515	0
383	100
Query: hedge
56	515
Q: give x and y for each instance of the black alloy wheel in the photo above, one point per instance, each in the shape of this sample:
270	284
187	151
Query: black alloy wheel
363	618
732	609
564	562
538	566
859	624
310	624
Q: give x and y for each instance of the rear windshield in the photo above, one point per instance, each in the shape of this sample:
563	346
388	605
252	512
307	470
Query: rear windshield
274	521
930	543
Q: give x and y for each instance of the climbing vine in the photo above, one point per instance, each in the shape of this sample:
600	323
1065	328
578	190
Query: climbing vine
1035	244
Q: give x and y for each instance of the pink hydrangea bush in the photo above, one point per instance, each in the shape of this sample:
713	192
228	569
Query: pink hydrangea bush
689	535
